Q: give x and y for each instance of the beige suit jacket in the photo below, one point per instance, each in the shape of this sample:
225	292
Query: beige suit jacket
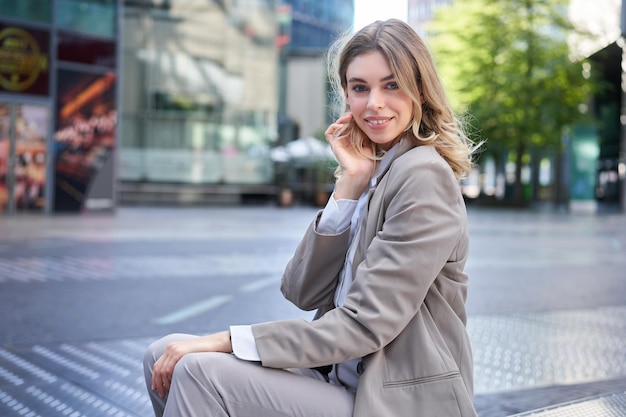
405	311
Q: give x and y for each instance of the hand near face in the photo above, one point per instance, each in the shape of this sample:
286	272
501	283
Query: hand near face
356	168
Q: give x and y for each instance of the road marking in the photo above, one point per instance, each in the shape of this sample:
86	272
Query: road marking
194	309
259	284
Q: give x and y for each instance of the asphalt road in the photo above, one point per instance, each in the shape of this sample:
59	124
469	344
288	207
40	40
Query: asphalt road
111	281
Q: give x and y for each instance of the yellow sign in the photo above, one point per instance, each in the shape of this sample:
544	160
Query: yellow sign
21	60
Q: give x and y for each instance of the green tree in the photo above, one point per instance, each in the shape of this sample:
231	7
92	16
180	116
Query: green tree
507	63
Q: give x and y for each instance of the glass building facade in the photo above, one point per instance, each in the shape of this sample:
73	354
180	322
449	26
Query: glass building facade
199	93
316	23
421	12
313	26
58	104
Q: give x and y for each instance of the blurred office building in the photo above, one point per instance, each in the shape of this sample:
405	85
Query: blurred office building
108	102
58	105
601	39
103	101
199	100
210	87
310	27
421	12
597	168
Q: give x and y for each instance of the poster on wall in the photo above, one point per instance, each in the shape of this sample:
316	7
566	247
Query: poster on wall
84	142
24	60
23	139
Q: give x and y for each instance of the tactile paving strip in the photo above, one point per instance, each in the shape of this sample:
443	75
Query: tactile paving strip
543	349
613	405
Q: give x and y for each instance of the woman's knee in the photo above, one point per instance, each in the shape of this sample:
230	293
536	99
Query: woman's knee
193	363
203	366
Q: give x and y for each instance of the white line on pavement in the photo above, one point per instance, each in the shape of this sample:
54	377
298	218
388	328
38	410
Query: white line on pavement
259	284
194	309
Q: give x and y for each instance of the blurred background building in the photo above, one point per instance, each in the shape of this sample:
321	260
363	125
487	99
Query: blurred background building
208	88
308	28
199	100
315	24
58	104
595	154
109	102
421	12
602	42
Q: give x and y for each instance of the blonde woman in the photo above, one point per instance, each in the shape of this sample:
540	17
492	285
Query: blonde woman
382	264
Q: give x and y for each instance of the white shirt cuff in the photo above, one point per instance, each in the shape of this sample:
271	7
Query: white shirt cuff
244	345
336	216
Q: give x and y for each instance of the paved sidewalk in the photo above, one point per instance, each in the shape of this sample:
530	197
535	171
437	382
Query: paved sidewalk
530	357
610	405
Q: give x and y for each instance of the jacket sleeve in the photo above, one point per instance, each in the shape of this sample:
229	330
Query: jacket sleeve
310	277
423	224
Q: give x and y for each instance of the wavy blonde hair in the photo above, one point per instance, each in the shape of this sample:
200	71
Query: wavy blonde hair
433	121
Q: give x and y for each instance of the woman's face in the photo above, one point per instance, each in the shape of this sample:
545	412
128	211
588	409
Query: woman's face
380	109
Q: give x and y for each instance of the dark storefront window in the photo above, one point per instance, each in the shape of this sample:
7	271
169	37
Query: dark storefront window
38	10
84	140
84	50
96	17
58	64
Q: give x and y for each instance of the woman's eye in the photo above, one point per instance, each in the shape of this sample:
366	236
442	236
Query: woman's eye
393	85
359	88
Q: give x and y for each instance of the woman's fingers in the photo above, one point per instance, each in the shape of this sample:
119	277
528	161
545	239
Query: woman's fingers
164	369
345	118
335	130
160	382
164	377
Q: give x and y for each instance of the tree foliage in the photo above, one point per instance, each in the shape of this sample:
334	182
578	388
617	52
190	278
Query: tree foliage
507	62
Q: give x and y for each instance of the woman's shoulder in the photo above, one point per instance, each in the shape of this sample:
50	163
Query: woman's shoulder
422	172
421	156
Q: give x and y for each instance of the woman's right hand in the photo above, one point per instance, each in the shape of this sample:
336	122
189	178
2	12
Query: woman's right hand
163	368
356	169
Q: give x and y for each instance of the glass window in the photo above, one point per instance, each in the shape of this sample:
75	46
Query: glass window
97	17
86	50
84	140
201	109
28	9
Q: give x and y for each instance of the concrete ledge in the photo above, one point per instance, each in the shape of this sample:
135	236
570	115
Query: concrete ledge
191	194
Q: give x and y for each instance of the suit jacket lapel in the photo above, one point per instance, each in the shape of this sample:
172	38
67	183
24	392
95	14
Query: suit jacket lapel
364	239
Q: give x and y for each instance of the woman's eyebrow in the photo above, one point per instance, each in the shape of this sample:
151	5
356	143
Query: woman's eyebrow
360	80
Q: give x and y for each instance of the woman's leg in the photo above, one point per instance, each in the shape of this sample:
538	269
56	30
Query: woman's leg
219	384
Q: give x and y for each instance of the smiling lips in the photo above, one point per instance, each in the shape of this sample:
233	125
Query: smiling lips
377	122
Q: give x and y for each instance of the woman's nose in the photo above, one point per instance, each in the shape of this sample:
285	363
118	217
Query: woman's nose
375	100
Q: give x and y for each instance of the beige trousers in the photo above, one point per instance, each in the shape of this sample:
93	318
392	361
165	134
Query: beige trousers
220	385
